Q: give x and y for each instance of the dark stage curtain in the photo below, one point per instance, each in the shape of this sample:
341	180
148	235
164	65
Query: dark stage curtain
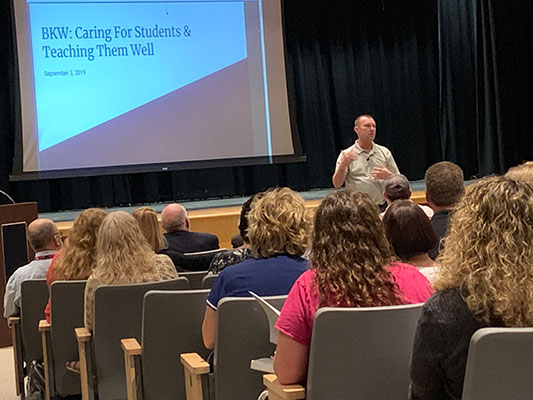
445	80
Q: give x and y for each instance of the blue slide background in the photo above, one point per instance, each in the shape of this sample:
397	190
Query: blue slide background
69	105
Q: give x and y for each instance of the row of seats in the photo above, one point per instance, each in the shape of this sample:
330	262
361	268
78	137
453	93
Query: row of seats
355	353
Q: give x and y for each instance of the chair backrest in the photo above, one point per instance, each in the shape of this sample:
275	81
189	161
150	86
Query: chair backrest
242	335
118	315
361	353
208	281
198	261
66	314
195	278
172	324
499	365
33	299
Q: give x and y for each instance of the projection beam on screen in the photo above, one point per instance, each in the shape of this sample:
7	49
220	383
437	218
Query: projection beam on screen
126	86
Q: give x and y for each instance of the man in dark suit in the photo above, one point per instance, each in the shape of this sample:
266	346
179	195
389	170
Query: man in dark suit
444	188
182	241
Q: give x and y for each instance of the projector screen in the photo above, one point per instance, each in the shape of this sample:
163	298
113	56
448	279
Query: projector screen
122	86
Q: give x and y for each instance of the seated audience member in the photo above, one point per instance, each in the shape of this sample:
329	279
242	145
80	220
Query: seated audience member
397	188
522	173
236	241
444	188
176	225
278	233
45	240
77	258
411	236
181	240
123	256
241	253
484	280
349	257
147	219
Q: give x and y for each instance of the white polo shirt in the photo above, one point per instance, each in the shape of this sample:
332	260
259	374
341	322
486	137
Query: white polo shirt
358	176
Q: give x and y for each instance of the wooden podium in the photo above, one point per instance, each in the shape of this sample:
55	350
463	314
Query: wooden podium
12	213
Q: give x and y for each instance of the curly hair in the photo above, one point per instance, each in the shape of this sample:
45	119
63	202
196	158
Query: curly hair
78	256
488	252
350	253
405	216
522	172
444	184
147	219
123	253
278	223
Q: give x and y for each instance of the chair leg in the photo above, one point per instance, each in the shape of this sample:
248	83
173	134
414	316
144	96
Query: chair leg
16	336
44	328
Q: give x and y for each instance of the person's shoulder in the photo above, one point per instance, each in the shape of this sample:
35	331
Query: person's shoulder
382	149
306	278
446	306
398	267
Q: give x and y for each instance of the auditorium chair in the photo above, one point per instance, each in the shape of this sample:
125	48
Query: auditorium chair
195	278
500	365
171	325
117	315
209	280
356	354
198	261
25	331
242	336
58	339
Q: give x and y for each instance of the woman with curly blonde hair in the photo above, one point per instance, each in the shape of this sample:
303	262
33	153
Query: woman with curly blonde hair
147	219
278	233
77	258
350	258
484	280
124	257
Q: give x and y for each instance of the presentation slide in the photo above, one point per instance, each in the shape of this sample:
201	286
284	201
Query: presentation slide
115	83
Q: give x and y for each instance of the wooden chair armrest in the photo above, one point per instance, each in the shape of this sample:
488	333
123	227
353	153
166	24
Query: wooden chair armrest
277	391
16	337
194	363
131	346
83	334
44	326
194	367
131	349
12	321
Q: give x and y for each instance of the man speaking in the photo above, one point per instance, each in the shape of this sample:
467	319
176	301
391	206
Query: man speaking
365	164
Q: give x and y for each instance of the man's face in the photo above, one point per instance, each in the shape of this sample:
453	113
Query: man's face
365	129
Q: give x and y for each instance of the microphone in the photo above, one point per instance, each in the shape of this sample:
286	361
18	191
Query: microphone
8	196
368	158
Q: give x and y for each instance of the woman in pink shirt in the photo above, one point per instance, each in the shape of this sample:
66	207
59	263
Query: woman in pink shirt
351	268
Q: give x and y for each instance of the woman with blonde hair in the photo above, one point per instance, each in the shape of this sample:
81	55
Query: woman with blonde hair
350	258
147	219
77	258
278	234
124	257
484	280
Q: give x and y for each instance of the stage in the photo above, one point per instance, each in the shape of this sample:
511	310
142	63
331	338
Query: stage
217	216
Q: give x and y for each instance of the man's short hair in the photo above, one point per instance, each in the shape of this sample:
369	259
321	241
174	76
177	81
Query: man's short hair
397	187
444	184
42	235
356	121
174	218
